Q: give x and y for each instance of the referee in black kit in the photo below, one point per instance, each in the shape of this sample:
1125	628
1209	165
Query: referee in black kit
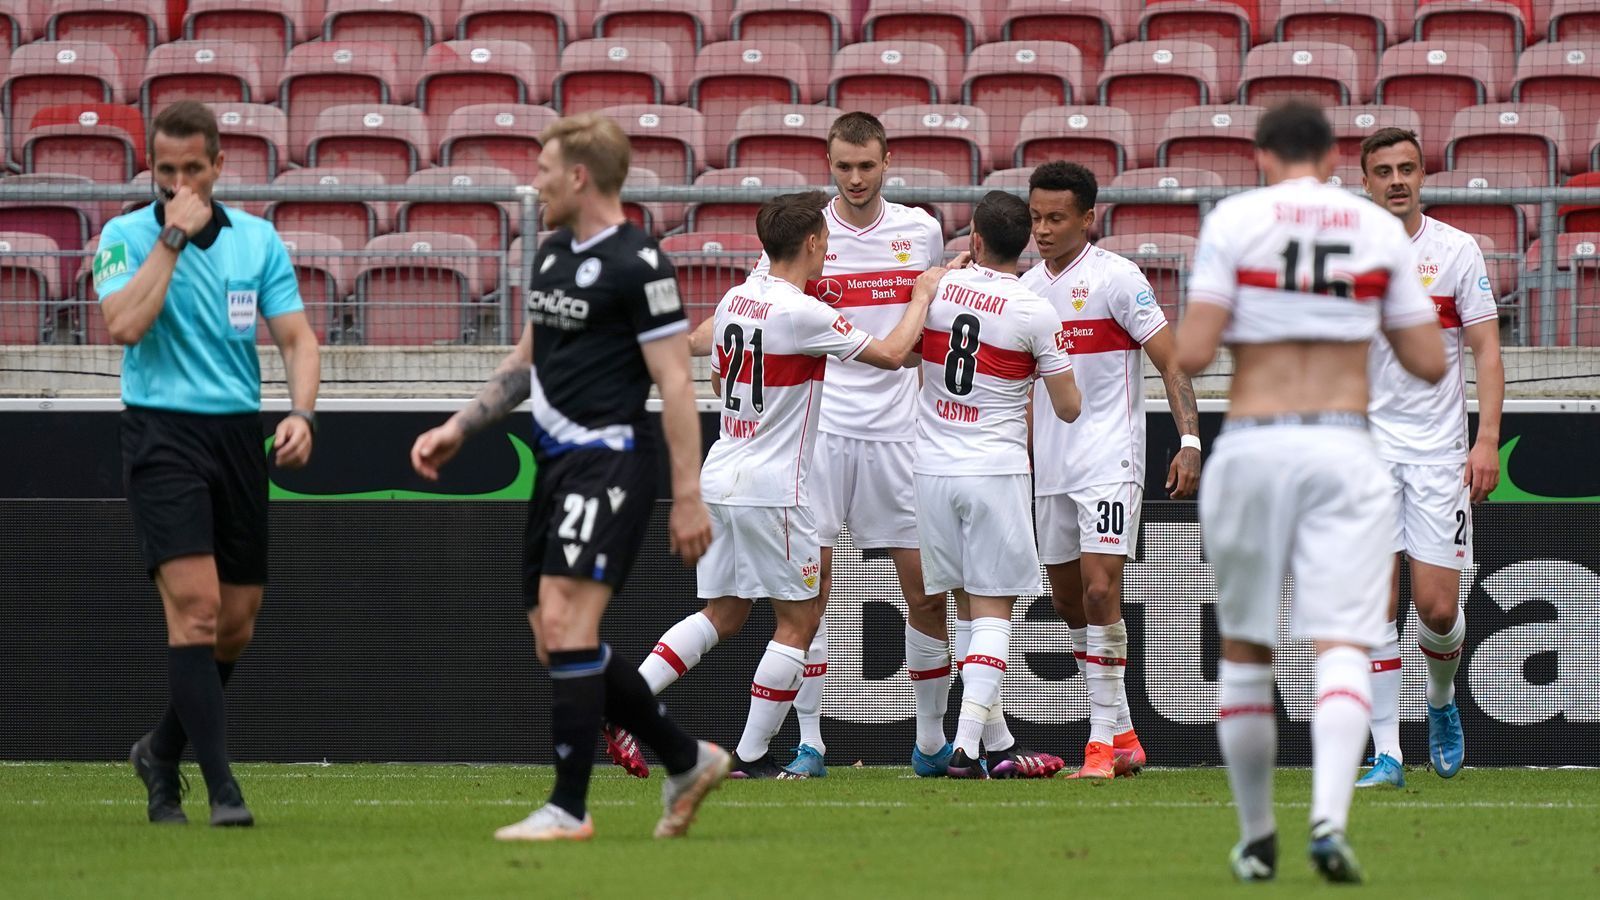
604	321
181	284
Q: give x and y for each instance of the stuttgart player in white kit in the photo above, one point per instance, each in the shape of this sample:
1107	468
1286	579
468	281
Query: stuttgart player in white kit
1298	278
876	250
987	338
772	349
1089	474
1422	434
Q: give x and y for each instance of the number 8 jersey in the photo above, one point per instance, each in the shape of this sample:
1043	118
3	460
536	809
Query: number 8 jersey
987	337
772	343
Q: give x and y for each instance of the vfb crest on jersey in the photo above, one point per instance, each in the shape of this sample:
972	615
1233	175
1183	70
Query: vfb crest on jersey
1080	296
830	291
1428	271
902	250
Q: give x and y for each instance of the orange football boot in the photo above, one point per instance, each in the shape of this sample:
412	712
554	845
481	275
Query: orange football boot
1127	754
1097	762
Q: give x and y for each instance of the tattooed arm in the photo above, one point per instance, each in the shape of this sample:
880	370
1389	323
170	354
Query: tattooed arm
1183	477
507	387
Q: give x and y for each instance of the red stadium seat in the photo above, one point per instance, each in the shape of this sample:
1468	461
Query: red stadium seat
1099	137
1220	139
273	26
29	283
1093	27
408	26
1324	73
656	218
324	74
353	221
130	27
255	139
683	25
1509	225
1226	26
1581	217
503	135
21	21
1171	218
420	288
489	225
51	73
1502	266
1353	124
1006	179
1151	79
950	138
324	278
1577	319
876	76
1165	259
1437	79
952	217
464	73
613	71
954	26
821	26
1367	28
209	71
68	224
103	142
384	138
1010	79
1509	138
738	215
1500	25
668	140
708	264
733	76
544	25
784	136
1574	20
1565	75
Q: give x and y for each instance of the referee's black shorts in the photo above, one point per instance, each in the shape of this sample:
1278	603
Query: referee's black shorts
588	517
197	484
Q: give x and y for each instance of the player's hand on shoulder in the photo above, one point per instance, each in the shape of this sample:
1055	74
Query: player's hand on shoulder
690	527
435	447
962	260
928	283
291	443
1183	476
187	211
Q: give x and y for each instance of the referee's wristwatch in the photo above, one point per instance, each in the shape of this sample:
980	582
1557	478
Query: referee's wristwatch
174	238
309	416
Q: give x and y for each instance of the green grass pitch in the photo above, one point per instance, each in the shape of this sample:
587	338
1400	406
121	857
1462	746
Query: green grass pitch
403	831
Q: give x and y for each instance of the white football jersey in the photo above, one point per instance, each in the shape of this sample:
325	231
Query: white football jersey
868	276
987	338
1306	261
1414	421
1107	311
771	348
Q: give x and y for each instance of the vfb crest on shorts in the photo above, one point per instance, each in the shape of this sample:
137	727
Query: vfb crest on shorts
1080	296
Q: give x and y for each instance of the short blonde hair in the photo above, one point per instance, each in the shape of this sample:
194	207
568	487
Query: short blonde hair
596	143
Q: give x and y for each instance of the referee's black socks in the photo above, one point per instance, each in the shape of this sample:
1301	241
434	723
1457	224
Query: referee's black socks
630	704
578	689
168	739
196	688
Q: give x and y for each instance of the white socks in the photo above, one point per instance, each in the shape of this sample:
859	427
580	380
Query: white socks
678	651
808	704
981	671
1386	680
1104	664
928	661
773	690
1247	732
1338	732
1443	655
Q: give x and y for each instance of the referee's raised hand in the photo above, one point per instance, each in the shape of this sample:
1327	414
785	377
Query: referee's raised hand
188	211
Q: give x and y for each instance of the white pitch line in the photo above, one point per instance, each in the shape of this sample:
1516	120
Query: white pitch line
849	804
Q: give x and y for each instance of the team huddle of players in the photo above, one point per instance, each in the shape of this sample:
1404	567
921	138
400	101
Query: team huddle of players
975	422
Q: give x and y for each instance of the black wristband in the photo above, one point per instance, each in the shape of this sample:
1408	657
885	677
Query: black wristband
309	416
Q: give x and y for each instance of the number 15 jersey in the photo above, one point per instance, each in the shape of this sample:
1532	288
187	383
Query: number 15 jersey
771	348
987	337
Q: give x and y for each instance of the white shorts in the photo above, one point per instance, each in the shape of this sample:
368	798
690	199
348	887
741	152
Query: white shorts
977	535
1312	501
760	552
1435	521
866	485
1101	518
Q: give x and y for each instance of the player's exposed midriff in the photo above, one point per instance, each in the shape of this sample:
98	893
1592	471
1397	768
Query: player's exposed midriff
1298	377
